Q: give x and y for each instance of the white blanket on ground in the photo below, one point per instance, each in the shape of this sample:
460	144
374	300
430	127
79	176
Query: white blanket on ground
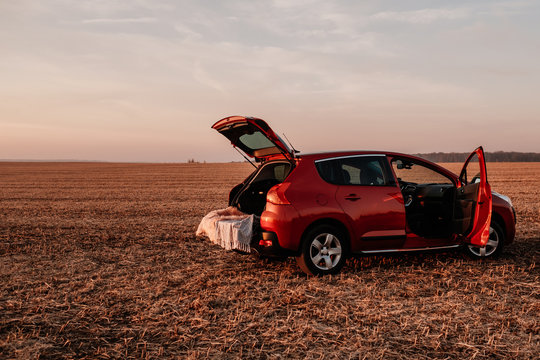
229	228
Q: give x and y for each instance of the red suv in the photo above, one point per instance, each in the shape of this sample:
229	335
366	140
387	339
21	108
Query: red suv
323	207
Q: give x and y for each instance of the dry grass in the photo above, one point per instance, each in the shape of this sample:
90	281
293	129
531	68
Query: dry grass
100	261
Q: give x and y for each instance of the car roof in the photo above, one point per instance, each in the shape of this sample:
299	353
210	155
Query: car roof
330	154
337	154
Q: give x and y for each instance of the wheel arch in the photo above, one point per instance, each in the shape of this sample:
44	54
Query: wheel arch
497	218
342	228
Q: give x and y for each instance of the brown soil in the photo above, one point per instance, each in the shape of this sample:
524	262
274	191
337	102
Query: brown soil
100	260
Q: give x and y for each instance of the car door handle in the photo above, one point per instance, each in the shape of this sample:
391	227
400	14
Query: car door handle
352	197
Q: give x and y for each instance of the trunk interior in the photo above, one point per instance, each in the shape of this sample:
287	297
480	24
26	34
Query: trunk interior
250	196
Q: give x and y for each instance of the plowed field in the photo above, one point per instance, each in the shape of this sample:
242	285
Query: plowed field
100	260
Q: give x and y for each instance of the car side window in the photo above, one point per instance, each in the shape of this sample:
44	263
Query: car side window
355	170
471	173
412	172
281	171
275	171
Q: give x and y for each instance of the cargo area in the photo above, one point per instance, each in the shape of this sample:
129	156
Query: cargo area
235	227
250	196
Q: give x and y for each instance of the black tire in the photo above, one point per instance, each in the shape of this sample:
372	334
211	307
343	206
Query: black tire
324	251
494	246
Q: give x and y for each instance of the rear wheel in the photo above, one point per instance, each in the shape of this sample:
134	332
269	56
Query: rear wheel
494	245
324	251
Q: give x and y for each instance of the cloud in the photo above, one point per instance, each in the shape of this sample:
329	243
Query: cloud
186	31
177	66
423	16
286	4
139	20
205	78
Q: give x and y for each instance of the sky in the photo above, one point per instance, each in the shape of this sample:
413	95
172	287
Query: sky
144	80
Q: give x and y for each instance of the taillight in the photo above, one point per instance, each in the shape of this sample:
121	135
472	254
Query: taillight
276	194
266	243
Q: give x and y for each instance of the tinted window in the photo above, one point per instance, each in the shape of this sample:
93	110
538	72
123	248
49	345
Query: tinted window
256	140
358	170
277	171
281	171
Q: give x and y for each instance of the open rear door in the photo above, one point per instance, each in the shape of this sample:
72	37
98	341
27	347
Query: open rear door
254	137
472	212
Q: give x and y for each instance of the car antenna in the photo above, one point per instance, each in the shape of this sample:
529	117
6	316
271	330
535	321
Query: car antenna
244	156
291	145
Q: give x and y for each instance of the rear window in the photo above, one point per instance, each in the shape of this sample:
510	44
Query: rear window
355	170
255	141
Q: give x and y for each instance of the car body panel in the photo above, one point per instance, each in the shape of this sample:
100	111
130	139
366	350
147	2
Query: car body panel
414	241
377	214
254	137
503	212
312	200
481	202
284	221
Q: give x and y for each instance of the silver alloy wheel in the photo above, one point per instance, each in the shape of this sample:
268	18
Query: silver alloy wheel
491	246
325	251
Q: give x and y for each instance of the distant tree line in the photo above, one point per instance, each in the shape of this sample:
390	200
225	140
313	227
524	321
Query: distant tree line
497	156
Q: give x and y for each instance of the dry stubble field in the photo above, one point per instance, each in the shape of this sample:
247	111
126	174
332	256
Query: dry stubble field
100	260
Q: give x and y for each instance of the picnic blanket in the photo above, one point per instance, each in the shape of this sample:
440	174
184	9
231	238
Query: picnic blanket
229	228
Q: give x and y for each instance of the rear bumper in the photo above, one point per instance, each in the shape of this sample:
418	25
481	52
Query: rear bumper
267	244
283	221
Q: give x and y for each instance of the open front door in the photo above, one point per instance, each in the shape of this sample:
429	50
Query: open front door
472	213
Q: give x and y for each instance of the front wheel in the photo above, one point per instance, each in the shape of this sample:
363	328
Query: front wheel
324	251
494	245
